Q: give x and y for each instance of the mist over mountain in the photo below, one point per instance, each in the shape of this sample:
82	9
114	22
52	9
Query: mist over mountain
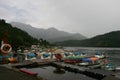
50	34
111	39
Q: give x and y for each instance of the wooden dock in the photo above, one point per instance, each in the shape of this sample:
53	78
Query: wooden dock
98	74
33	63
64	65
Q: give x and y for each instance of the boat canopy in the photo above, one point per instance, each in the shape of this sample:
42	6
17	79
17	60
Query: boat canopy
31	55
46	55
99	53
86	60
67	53
58	56
76	53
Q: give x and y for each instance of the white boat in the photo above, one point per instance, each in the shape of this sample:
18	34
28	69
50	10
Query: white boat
117	68
83	64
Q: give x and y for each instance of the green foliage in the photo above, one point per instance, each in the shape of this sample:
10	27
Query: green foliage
111	39
43	43
15	37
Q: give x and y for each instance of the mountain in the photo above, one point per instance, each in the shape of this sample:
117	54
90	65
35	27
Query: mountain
111	39
16	37
50	34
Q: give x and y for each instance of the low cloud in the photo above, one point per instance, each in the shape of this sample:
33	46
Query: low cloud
89	17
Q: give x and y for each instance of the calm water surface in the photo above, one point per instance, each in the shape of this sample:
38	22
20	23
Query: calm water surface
51	73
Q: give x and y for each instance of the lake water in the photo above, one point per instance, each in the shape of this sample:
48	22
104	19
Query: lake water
51	73
113	53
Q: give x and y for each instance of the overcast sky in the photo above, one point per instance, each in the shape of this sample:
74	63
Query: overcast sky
88	17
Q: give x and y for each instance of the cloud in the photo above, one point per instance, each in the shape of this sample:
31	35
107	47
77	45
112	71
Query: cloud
89	17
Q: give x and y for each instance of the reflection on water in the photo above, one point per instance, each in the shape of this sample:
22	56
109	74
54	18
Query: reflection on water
59	71
52	73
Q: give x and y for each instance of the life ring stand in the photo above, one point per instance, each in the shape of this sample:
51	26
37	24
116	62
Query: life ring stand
7	50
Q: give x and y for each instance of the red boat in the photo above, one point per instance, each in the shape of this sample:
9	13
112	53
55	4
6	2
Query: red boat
28	72
69	61
72	61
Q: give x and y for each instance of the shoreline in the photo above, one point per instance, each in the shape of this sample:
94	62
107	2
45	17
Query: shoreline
12	73
7	72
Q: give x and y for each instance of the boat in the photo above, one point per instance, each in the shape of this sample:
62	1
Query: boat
110	67
24	70
99	55
73	59
70	61
117	68
83	64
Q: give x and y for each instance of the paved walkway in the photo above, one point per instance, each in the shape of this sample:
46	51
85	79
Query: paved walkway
9	74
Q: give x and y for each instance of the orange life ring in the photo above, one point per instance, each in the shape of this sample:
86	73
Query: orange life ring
6	48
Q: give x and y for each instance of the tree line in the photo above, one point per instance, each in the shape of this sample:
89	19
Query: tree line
111	39
17	37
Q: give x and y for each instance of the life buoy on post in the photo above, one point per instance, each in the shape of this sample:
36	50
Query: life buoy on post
6	48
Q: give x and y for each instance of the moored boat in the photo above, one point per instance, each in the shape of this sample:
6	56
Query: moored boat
28	72
110	67
117	68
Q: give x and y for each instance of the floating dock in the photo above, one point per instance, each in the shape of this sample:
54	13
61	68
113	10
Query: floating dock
33	63
98	74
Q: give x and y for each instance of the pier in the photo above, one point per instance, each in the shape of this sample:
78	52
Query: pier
33	63
98	74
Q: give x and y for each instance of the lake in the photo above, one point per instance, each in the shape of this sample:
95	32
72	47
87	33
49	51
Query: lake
113	53
52	73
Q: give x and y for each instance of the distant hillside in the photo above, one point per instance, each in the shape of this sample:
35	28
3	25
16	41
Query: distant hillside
111	39
51	34
16	37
